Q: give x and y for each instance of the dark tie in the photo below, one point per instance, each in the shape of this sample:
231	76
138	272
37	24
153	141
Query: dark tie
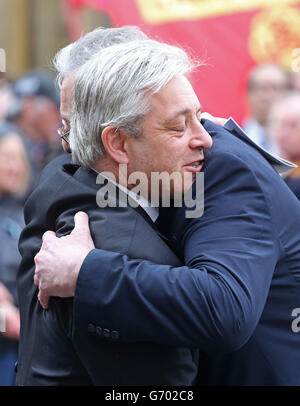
164	227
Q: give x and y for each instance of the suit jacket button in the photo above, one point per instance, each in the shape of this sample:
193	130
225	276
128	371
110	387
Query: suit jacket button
91	328
99	330
106	333
114	335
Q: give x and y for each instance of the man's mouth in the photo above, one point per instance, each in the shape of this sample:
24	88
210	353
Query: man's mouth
195	166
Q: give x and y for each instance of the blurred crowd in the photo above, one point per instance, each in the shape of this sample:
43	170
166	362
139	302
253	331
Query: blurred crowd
273	96
29	118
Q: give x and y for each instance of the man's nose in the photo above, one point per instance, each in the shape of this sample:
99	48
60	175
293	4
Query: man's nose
201	138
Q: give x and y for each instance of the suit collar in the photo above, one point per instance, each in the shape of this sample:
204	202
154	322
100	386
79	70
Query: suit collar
279	164
96	181
141	202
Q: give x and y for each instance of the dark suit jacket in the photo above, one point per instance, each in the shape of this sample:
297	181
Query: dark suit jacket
51	351
236	296
294	185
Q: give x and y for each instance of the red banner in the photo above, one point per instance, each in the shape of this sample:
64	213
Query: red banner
230	36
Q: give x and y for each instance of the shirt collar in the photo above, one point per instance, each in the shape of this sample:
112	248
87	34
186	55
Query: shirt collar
153	212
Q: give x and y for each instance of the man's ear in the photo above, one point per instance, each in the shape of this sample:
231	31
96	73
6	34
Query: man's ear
114	140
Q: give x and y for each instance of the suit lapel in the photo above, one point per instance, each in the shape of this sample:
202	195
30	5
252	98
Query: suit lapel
89	178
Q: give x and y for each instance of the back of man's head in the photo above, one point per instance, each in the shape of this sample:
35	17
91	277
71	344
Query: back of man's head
74	55
113	89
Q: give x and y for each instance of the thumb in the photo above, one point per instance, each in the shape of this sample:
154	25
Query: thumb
216	120
81	221
43	299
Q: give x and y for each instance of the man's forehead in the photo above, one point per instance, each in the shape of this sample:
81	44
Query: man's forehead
176	98
184	112
269	74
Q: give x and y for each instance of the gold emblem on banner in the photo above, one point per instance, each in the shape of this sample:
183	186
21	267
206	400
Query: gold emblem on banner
161	11
274	34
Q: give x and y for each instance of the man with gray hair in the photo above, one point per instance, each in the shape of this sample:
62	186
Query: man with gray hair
74	55
118	98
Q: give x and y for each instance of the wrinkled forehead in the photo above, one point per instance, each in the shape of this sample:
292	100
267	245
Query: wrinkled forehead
176	98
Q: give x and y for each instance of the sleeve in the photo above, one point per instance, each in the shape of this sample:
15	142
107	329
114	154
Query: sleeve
216	300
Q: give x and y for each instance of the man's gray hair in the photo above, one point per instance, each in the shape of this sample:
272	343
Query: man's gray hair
74	55
113	89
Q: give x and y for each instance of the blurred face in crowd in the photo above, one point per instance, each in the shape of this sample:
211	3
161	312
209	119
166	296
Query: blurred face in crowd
40	118
13	165
266	85
47	114
6	99
172	137
296	81
285	128
66	93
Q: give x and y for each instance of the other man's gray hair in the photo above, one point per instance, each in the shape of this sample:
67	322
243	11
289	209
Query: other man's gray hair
113	88
74	55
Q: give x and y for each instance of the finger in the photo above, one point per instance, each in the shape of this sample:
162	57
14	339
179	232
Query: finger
5	295
206	115
220	121
36	280
81	221
217	120
43	299
48	235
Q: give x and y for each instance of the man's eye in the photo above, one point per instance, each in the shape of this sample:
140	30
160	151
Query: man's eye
178	130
